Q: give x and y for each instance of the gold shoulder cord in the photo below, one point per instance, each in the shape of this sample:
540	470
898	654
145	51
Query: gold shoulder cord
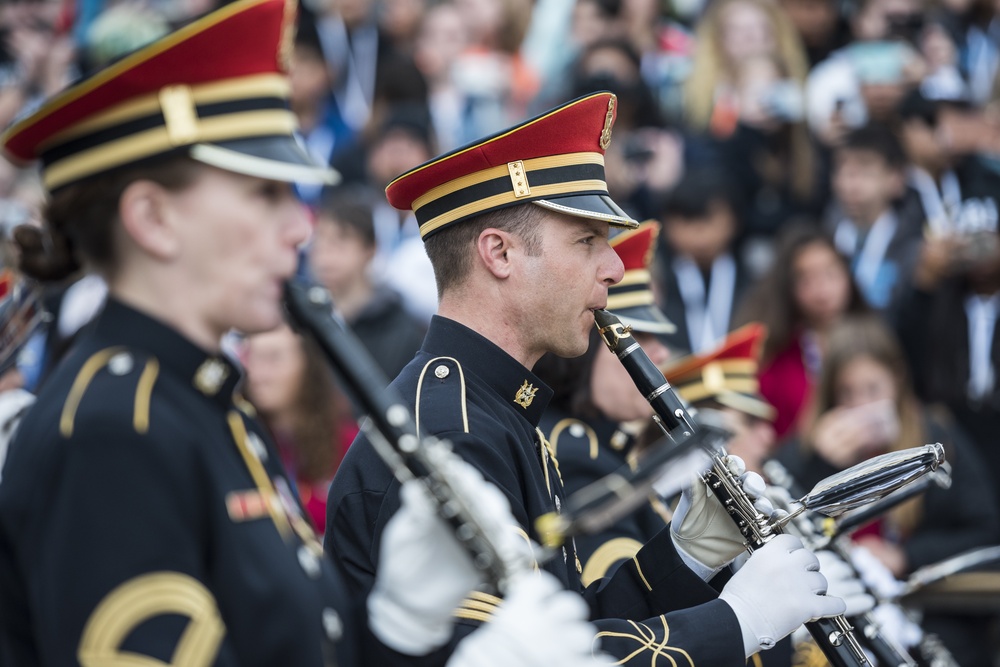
284	522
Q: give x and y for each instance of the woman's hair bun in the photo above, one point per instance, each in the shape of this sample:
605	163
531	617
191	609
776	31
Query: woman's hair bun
45	255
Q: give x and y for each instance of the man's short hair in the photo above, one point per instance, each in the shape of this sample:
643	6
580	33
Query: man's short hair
349	209
876	139
451	249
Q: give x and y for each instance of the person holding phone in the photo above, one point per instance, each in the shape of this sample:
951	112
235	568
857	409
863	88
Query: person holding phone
864	406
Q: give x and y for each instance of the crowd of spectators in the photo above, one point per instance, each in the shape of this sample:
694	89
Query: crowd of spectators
808	159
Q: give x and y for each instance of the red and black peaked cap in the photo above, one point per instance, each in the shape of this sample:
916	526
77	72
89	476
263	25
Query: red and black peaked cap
215	89
632	298
555	160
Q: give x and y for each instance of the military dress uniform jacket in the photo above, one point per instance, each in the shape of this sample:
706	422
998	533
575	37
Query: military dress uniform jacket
589	449
467	390
143	512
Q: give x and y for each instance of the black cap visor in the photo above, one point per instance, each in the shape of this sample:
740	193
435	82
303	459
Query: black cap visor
276	158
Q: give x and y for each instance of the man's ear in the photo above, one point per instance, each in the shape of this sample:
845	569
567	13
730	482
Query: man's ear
493	247
144	212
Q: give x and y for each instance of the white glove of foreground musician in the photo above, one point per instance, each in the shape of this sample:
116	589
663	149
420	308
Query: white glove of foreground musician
703	531
423	571
844	583
539	624
777	590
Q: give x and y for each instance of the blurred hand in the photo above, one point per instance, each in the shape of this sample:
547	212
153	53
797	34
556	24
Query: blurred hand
423	572
844	583
936	262
845	436
889	554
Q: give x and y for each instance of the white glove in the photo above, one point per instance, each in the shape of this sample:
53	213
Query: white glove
844	583
705	535
539	624
777	590
874	573
897	626
423	572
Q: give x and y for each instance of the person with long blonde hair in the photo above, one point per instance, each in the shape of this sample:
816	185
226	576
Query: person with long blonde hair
729	33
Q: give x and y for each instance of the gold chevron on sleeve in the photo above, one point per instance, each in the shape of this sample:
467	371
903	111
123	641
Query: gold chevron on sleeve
143	598
478	607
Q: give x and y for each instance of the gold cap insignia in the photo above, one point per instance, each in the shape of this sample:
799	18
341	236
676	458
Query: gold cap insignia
525	395
210	376
609	120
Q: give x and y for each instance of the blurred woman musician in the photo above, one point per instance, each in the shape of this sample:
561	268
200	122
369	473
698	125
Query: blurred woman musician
145	517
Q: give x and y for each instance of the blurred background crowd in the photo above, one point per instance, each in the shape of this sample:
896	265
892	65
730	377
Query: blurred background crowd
830	168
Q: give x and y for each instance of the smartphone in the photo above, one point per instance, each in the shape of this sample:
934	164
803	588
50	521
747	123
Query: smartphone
878	62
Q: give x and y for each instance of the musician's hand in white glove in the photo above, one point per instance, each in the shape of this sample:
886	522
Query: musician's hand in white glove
539	624
844	583
705	535
423	572
777	590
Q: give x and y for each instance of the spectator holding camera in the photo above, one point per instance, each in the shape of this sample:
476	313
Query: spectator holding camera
865	407
957	193
770	153
865	80
947	318
880	237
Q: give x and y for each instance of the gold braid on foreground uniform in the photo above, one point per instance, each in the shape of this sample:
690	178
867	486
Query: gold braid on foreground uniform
833	635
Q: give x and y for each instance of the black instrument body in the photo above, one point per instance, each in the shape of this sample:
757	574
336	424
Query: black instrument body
806	526
833	635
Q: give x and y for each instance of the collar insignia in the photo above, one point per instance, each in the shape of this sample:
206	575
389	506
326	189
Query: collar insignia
210	376
525	395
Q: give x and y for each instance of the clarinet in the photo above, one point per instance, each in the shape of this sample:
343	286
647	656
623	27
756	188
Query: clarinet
833	635
782	492
393	433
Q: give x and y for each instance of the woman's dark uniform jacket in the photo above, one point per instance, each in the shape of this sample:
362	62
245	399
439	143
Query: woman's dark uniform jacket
587	450
467	390
134	518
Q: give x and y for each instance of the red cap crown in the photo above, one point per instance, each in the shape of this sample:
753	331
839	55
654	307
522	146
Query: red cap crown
632	299
218	80
727	375
637	246
555	160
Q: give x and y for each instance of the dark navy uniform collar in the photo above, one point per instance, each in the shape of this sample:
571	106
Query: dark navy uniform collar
213	374
517	386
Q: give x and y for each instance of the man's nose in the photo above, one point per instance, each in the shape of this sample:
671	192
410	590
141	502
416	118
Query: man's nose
613	270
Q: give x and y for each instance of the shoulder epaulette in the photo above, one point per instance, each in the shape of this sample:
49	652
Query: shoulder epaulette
575	434
441	405
120	362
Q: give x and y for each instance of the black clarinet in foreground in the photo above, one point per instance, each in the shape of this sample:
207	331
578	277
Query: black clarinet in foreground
833	635
392	431
781	491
